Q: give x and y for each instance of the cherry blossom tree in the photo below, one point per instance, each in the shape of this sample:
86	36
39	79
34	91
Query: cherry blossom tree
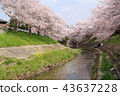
107	18
80	31
103	22
15	8
46	22
35	15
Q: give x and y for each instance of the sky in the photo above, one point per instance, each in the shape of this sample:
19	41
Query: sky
72	11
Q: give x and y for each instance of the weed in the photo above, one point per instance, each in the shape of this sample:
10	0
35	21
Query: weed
8	61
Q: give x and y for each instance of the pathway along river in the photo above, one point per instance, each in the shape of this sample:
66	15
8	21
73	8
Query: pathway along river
78	69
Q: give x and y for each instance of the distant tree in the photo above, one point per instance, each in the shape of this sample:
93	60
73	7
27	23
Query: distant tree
20	25
11	23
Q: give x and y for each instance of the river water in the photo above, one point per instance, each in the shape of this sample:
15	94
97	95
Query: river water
78	69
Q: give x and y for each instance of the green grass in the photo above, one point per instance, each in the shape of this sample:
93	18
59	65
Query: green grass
79	50
35	62
8	61
113	39
105	68
10	39
107	76
95	69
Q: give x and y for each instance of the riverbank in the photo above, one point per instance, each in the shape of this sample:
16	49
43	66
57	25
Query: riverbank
12	68
96	65
110	62
78	68
104	67
23	55
113	52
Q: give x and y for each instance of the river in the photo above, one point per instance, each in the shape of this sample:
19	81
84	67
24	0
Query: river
79	68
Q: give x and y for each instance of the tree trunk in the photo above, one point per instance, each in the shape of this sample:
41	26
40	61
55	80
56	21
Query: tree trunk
29	28
38	32
15	25
68	43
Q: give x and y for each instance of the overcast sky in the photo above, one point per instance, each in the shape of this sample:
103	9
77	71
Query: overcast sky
71	11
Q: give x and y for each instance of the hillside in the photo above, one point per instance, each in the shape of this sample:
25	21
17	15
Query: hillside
113	39
13	39
112	49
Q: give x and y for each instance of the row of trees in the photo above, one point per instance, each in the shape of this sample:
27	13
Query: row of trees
103	22
36	16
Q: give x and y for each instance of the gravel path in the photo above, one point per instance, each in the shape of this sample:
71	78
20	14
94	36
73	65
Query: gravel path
26	51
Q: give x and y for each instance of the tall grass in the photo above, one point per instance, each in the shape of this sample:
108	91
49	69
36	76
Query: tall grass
10	39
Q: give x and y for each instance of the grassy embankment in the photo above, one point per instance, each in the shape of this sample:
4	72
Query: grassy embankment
105	68
113	39
105	64
12	68
12	39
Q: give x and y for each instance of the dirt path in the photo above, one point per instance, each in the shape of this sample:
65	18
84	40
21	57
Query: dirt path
26	51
